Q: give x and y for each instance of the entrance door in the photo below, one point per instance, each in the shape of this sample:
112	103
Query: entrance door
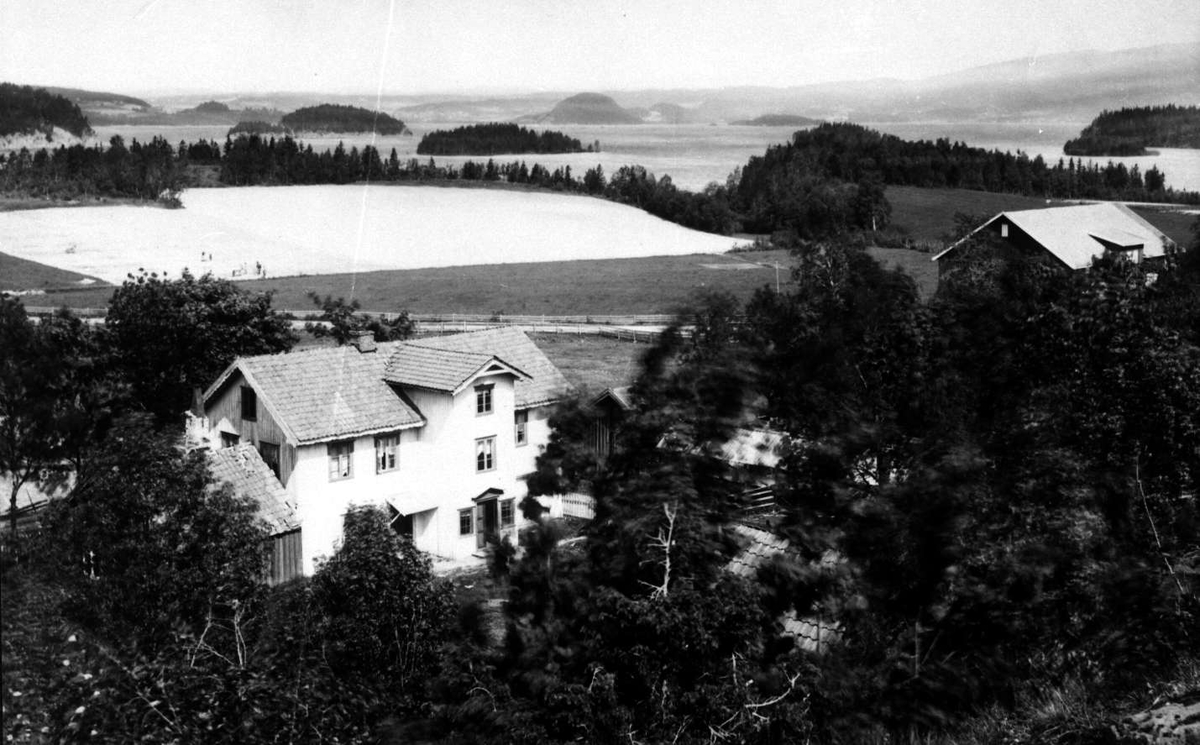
487	521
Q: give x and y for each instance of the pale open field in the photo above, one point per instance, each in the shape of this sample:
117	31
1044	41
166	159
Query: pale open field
336	229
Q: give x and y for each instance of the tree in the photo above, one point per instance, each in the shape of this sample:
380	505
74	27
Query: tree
56	397
169	337
384	614
145	541
344	322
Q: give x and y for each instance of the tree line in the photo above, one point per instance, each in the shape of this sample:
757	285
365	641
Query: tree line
1129	131
990	494
495	137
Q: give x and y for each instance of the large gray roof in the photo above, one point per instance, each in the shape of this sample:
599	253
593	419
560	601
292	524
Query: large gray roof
1075	235
544	384
326	394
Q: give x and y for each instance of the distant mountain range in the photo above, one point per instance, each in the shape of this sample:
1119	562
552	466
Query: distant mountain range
1062	88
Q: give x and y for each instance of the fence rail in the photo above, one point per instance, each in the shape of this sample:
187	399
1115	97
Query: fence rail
491	319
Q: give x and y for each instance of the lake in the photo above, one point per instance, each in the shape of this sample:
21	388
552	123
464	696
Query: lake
694	155
291	230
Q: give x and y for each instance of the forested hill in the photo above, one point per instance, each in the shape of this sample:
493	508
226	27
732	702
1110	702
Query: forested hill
1130	131
830	176
493	138
25	110
329	117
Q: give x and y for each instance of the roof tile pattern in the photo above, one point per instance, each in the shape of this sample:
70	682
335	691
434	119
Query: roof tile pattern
245	471
436	369
545	382
324	394
811	633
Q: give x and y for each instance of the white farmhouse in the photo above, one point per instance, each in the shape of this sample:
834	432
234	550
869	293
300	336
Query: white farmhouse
440	431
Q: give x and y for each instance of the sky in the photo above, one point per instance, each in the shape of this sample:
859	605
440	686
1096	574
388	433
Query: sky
509	46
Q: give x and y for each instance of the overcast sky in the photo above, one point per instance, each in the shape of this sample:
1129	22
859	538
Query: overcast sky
409	46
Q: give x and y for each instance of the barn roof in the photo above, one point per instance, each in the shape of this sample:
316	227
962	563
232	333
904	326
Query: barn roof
249	476
1078	234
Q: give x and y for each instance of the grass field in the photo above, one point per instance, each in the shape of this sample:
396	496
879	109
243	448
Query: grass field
592	363
928	214
656	284
21	274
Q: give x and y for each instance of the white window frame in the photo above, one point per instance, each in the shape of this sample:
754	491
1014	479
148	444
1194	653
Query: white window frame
521	428
387	452
341	460
469	522
485	454
507	505
484	403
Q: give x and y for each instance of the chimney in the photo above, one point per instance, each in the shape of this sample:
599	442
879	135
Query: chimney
364	341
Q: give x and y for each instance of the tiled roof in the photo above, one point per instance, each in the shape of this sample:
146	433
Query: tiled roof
761	545
245	471
1077	234
437	369
545	382
329	393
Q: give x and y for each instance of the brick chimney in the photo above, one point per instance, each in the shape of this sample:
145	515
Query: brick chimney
364	341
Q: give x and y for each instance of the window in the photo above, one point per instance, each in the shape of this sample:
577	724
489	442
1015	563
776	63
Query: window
465	525
387	449
521	418
270	455
483	399
228	440
506	513
485	454
249	404
1003	230
341	457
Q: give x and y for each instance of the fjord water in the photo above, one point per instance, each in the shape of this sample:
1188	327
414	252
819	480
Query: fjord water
694	155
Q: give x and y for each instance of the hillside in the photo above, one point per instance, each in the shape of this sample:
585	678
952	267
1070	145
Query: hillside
25	110
338	118
1131	131
589	108
493	138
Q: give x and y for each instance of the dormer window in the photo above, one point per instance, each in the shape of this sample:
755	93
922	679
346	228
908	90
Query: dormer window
483	399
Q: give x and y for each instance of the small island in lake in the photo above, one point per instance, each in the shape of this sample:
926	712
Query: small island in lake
493	138
257	128
779	120
1129	131
590	108
337	118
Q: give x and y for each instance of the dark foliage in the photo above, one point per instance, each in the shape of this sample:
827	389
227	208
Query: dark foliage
1129	131
170	336
819	184
494	138
28	110
343	322
329	117
142	171
260	128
